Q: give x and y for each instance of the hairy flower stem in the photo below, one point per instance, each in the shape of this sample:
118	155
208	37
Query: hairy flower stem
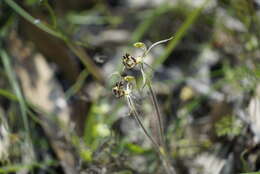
158	113
166	161
159	149
136	116
167	166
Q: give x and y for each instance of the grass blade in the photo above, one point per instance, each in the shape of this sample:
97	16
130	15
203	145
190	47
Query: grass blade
180	34
136	117
76	87
17	91
147	23
78	51
158	113
34	21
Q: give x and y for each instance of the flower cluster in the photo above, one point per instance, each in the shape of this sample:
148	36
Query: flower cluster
124	88
125	85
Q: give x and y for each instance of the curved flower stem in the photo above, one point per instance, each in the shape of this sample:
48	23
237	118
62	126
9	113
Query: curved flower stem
166	161
158	113
156	43
159	149
143	75
146	81
136	116
161	146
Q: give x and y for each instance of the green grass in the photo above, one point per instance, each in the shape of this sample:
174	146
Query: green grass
33	20
78	51
19	167
182	31
147	23
17	91
77	85
102	114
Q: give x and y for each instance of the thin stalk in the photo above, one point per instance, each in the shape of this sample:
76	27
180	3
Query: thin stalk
77	85
78	51
86	60
34	21
160	150
166	161
156	43
15	87
167	165
144	26
182	31
158	113
143	75
136	116
21	100
52	14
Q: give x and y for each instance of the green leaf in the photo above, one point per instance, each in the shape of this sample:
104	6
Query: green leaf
135	148
86	154
18	167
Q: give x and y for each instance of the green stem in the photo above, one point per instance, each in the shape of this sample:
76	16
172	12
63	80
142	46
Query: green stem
158	113
15	86
136	116
160	150
34	21
79	52
52	14
78	84
166	161
180	34
86	60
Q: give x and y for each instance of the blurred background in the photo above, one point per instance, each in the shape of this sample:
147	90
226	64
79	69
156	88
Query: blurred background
57	110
